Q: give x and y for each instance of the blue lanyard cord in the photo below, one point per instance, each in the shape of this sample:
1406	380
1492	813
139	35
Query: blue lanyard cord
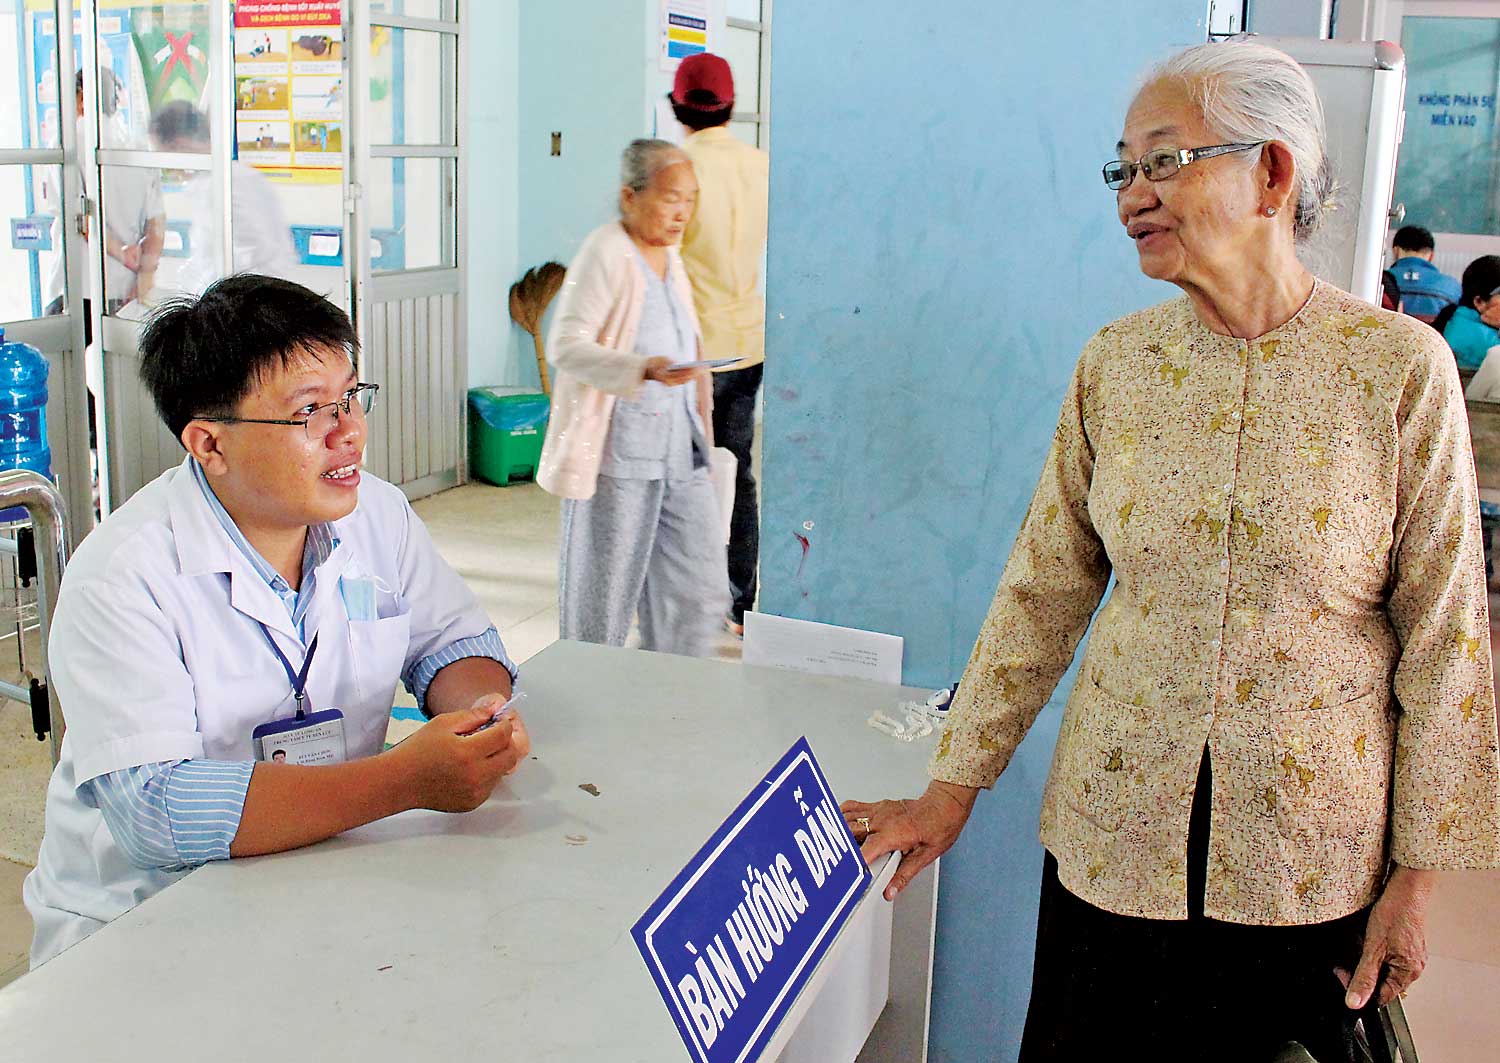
297	679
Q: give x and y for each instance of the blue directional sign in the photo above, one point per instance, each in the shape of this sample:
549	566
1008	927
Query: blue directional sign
734	938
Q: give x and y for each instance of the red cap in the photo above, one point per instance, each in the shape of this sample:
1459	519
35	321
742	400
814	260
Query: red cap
703	83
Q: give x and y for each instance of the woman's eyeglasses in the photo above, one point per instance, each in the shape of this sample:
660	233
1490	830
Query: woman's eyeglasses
1162	163
319	420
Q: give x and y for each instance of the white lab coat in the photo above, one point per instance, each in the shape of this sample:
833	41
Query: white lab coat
132	200
1484	386
262	238
157	655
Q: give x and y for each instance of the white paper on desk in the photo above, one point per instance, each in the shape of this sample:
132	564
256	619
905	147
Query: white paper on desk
822	649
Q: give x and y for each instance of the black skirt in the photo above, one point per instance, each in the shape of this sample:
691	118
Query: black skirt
1108	987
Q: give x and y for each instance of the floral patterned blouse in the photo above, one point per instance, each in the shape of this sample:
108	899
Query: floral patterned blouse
1292	524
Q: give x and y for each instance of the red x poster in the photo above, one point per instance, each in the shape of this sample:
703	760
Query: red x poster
289	87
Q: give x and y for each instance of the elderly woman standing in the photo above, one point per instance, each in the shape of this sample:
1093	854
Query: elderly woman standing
628	441
1284	722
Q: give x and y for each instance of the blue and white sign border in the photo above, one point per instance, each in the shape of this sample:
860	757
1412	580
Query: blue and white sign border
800	753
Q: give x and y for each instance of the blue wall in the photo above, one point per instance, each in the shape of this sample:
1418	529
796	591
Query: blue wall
490	159
941	247
583	68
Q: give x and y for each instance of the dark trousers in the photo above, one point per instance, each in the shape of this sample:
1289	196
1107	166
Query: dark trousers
1109	986
734	430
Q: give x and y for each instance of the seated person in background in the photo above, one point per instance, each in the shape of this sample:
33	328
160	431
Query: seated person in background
262	238
1425	289
1485	385
1390	292
1469	325
258	583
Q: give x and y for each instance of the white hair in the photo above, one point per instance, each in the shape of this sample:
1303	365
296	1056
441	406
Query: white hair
1249	92
643	159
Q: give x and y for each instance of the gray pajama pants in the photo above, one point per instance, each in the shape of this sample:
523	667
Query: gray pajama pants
647	548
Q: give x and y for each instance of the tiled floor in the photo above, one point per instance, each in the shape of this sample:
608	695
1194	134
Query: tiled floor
15	924
504	542
1452	1007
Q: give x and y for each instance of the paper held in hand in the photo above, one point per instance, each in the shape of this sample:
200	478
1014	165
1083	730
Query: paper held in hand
712	363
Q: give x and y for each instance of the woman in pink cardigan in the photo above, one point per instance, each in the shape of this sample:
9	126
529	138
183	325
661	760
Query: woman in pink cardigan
628	441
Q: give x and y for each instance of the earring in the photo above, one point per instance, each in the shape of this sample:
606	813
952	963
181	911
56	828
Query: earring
1270	212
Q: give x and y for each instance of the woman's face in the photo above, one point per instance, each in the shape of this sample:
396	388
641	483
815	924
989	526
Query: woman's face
658	215
1489	310
1203	220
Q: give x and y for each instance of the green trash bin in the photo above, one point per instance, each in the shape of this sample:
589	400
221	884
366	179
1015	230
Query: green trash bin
506	428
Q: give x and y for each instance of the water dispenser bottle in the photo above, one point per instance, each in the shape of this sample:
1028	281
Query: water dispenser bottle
23	413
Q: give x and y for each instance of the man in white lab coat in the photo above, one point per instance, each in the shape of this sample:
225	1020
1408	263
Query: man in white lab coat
263	597
262	238
134	216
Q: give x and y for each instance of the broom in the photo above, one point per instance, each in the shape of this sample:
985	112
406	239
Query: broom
529	298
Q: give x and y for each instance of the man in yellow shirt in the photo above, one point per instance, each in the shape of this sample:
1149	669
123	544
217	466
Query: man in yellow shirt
722	249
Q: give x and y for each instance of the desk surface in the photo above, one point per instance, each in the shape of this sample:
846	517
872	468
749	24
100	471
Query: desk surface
501	934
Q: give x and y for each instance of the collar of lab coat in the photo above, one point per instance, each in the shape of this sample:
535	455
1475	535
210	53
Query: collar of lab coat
204	547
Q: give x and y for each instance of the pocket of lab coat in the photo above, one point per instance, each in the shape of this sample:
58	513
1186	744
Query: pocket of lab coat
379	652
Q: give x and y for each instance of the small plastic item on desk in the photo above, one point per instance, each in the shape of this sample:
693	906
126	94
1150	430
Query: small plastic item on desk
935	707
511	703
917	725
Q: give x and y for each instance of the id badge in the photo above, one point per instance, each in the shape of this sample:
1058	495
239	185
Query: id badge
317	738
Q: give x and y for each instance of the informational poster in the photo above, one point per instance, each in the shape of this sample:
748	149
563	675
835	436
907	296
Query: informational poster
156	55
289	88
684	31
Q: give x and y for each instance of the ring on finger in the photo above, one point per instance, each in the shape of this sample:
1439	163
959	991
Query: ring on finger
863	823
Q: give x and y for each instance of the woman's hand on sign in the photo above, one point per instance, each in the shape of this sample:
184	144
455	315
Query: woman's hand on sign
922	828
660	370
453	766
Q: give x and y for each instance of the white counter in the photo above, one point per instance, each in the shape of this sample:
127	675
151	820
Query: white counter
503	934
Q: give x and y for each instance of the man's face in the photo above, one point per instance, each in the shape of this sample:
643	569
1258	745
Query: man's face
278	476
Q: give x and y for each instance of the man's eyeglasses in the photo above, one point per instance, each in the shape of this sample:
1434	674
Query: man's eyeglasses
318	421
1162	163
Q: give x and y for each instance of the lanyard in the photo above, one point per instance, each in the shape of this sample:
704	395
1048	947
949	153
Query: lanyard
297	679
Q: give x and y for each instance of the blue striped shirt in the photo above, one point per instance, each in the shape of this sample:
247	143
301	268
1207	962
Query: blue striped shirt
178	814
419	677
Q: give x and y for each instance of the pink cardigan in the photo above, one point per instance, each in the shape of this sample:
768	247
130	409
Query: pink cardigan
592	348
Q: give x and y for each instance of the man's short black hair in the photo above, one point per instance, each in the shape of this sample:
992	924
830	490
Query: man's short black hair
179	122
201	357
1414	238
695	119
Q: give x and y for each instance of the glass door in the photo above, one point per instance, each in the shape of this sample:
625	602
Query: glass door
407	209
156	83
41	260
